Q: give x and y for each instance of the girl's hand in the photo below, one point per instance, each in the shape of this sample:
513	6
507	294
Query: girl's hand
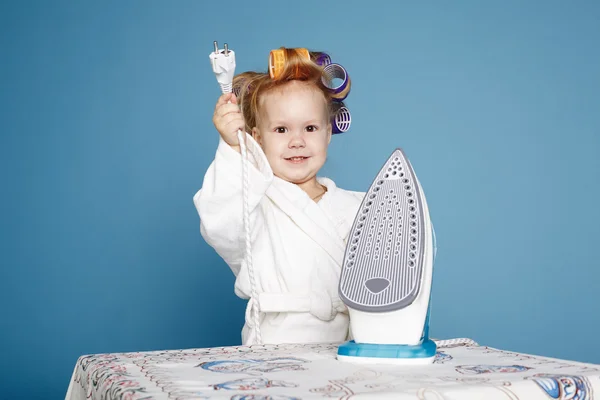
228	119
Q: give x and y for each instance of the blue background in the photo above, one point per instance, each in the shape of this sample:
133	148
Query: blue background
106	132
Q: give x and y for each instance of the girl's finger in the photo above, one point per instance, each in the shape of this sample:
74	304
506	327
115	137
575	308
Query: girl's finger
226	109
224	99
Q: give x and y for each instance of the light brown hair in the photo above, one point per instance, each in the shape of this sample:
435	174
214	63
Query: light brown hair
249	87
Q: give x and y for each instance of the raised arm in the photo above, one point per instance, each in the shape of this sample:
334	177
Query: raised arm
220	201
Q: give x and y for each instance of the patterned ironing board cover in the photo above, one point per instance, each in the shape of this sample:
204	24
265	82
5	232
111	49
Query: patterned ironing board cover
462	370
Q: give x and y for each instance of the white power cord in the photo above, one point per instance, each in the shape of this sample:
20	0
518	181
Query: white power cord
223	64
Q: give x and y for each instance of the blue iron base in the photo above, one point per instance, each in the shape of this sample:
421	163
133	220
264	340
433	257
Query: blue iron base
422	354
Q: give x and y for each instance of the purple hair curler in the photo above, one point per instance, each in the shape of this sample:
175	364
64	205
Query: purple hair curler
341	122
336	71
323	59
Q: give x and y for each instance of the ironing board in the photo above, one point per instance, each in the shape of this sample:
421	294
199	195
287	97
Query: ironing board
462	370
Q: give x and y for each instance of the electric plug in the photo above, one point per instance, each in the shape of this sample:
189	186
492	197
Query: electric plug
223	64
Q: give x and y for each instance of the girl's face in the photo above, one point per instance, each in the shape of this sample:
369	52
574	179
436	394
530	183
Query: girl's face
294	131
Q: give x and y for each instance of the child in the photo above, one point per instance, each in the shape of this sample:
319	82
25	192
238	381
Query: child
299	222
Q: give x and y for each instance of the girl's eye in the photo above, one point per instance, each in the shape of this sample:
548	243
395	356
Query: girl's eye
311	128
280	129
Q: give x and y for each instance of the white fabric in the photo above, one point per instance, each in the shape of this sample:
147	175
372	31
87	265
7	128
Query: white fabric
297	246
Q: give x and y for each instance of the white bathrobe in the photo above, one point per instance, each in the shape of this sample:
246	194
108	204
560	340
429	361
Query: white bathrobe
297	246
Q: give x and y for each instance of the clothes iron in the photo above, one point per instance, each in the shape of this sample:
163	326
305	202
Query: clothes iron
386	276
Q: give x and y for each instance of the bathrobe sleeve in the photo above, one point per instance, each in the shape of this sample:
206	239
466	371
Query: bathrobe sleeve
220	200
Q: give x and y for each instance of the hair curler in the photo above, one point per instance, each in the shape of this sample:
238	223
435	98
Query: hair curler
223	64
336	71
322	59
341	121
278	58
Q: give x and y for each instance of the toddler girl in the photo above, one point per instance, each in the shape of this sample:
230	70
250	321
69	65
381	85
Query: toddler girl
299	221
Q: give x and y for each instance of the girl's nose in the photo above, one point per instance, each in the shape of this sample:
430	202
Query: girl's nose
297	140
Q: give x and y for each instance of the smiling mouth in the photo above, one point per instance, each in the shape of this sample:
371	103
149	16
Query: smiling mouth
296	160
